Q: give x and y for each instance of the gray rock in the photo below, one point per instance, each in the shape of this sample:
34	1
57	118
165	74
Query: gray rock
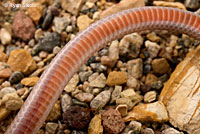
116	94
61	23
99	81
135	68
16	77
130	45
49	41
100	100
66	101
51	127
84	75
84	97
10	48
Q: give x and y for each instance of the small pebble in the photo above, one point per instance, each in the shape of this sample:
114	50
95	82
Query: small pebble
98	67
56	49
116	94
99	81
29	81
66	102
147	131
55	113
23	26
72	84
171	131
130	45
38	34
152	48
85	75
100	100
51	127
135	68
84	97
151	79
77	117
125	101
133	83
61	23
95	126
153	37
150	96
113	51
128	93
116	78
83	22
160	66
5	36
6	84
112	121
6	90
47	20
12	101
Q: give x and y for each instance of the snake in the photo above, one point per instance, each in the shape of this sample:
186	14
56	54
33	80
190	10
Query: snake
77	51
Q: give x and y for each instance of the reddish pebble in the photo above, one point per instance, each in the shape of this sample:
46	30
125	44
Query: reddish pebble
112	121
5	73
23	26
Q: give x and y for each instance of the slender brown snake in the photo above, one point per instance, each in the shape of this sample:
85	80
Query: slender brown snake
52	82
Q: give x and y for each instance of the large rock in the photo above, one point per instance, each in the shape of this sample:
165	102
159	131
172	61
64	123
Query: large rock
181	94
21	60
